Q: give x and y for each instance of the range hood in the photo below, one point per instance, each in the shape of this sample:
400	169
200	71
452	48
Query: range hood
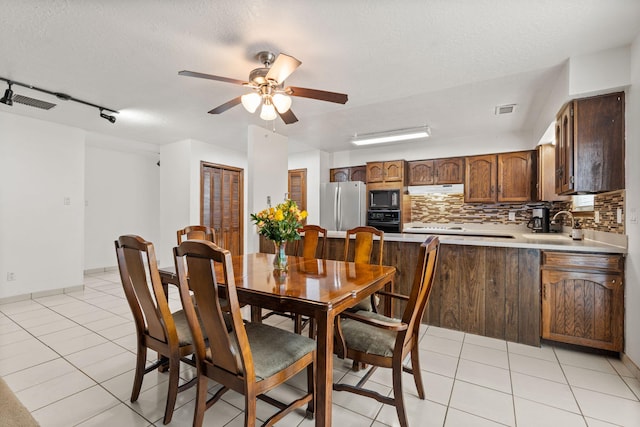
436	189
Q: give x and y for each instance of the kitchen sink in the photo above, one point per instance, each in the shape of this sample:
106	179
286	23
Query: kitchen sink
546	236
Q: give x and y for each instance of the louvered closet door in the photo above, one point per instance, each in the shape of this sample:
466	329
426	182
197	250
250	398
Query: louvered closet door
221	202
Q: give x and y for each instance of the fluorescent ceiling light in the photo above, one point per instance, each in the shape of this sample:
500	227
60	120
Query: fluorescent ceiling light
392	136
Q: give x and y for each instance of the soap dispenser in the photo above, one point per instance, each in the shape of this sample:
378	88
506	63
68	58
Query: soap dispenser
576	232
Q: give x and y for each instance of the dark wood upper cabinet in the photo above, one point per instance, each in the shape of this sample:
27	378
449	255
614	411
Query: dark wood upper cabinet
517	176
480	179
505	177
547	174
353	173
590	145
438	171
392	171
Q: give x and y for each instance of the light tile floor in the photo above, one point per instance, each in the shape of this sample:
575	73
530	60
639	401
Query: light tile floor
70	357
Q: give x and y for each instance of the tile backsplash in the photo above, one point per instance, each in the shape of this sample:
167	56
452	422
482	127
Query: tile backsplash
450	208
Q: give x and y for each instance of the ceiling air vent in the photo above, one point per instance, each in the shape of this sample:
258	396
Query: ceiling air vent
32	102
505	109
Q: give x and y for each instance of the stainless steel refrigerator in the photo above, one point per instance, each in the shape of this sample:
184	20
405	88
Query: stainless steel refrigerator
343	205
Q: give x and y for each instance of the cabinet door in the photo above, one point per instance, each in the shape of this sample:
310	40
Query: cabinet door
546	185
480	179
358	173
515	176
421	172
584	308
339	174
564	150
449	171
393	171
375	172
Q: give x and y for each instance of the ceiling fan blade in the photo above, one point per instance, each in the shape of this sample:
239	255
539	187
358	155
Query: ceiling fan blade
322	95
224	107
287	117
282	68
211	77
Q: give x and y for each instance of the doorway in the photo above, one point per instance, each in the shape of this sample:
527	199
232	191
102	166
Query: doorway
221	204
298	188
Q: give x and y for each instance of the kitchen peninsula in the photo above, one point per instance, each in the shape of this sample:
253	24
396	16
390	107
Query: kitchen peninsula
488	281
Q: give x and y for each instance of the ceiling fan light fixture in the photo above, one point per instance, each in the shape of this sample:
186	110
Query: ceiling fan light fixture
282	102
268	111
392	136
251	101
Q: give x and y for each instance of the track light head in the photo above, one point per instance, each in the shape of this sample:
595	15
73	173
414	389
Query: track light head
7	99
112	119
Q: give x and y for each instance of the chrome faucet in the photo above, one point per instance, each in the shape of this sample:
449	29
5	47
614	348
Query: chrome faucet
569	214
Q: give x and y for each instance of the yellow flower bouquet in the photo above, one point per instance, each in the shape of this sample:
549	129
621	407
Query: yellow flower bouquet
280	224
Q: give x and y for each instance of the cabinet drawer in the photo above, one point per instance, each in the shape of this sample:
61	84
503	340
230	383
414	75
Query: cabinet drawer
564	260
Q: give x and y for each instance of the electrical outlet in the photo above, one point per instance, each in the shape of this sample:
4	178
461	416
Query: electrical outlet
67	201
596	217
619	215
633	218
512	216
268	200
11	277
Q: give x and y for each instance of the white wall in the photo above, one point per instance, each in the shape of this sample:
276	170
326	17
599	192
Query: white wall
591	73
312	161
267	175
632	200
122	196
41	237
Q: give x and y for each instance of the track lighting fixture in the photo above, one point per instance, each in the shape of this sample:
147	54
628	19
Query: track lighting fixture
8	99
112	119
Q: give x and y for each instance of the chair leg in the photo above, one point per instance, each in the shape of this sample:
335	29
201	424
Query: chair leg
201	400
139	375
172	392
311	376
250	413
417	373
398	397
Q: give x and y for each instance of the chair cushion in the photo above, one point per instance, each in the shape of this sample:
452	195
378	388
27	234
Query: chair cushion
274	349
369	339
182	327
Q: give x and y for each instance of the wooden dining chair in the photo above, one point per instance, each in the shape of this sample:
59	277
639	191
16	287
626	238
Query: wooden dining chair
200	232
313	242
361	254
380	341
157	328
251	358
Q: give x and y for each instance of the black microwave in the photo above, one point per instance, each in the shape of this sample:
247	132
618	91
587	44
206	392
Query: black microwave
384	199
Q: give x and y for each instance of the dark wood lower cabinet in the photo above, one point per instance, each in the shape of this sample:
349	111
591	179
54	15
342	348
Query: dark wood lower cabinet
583	299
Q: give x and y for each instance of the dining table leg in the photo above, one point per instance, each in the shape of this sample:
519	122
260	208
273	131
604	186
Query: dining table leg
324	368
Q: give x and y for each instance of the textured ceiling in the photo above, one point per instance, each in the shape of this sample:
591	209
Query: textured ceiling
446	63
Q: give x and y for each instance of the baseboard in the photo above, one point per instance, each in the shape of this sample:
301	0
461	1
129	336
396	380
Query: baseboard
630	365
101	270
41	294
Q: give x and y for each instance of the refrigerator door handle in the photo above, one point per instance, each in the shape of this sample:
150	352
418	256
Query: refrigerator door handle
335	208
339	208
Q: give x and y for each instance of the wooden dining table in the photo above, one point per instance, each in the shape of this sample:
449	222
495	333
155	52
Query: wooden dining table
317	288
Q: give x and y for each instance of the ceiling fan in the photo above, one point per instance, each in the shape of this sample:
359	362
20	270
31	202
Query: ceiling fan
268	91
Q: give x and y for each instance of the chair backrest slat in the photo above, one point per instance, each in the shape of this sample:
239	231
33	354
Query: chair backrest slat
313	242
143	288
363	244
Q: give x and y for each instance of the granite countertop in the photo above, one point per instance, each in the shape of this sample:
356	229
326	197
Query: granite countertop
507	236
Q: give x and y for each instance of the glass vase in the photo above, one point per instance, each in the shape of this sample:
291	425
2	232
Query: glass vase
280	260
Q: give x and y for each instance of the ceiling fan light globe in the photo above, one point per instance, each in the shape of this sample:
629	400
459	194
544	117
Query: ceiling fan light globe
268	112
251	101
282	102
